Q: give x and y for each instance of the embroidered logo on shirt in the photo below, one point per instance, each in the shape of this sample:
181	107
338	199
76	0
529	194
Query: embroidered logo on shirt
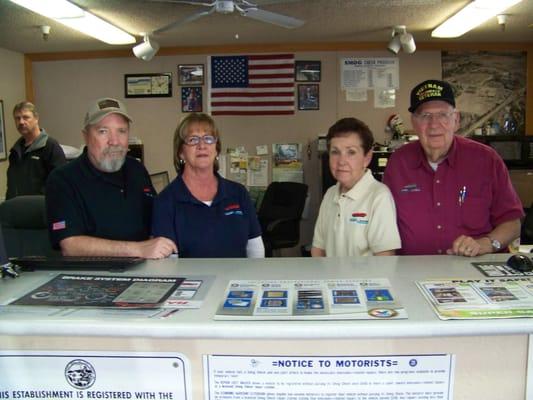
412	187
57	226
233	209
359	218
36	157
148	192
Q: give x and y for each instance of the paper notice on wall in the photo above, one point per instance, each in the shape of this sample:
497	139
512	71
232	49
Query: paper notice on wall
384	98
413	377
222	169
287	175
238	167
257	171
261	150
354	94
369	73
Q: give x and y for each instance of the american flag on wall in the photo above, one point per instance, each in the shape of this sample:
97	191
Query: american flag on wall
251	85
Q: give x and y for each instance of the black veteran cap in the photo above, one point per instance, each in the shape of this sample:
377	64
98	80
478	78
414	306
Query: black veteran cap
429	90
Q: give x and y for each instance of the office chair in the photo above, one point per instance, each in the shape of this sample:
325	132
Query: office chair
23	221
280	214
526	236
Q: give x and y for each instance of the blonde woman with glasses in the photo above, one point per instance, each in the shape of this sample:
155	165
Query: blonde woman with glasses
205	215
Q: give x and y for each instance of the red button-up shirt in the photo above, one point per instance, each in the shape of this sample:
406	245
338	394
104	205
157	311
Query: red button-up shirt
470	193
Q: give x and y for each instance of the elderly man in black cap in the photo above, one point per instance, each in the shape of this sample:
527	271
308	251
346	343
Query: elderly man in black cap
453	195
101	203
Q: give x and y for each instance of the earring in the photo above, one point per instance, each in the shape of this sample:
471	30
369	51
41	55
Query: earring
216	158
182	161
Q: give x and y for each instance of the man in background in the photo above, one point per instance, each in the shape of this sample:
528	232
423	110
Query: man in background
33	156
100	204
453	195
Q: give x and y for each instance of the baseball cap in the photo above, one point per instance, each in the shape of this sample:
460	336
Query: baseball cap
430	90
101	108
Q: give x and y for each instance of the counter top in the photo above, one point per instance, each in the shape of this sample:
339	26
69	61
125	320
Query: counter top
402	273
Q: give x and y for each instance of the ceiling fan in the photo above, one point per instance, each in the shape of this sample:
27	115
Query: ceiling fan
244	7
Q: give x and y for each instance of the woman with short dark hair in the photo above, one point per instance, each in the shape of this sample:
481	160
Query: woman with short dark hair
357	216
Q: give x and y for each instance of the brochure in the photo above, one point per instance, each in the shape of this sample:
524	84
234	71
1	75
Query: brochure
310	300
102	291
479	298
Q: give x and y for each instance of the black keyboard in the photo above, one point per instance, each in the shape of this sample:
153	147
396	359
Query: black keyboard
30	263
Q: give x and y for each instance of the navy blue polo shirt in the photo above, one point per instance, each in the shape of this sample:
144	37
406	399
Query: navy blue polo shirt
81	200
218	231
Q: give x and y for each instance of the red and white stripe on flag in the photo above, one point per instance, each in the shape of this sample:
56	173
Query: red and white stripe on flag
261	84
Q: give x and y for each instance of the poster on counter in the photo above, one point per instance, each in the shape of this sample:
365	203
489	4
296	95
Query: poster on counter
413	377
480	298
94	375
75	290
338	299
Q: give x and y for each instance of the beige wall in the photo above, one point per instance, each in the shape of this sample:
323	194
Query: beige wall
64	88
12	89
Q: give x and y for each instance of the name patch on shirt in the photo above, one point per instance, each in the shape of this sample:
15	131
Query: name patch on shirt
359	218
59	225
233	209
412	187
36	157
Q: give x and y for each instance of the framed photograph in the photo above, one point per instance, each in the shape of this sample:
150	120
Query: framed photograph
307	71
191	99
191	74
148	85
3	151
308	97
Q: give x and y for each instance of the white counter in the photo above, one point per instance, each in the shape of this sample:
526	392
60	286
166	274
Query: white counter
491	355
401	272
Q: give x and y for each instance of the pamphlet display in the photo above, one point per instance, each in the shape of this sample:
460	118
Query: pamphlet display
310	300
102	291
480	298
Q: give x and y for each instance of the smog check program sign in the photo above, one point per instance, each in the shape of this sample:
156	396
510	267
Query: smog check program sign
93	375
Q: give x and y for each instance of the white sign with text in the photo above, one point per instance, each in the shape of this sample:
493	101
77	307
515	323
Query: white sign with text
405	377
93	375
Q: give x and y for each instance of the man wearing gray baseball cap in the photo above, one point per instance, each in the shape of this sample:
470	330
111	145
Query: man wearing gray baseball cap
100	204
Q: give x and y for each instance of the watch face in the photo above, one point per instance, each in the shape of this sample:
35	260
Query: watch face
496	245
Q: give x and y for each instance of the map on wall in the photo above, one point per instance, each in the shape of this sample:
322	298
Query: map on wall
490	90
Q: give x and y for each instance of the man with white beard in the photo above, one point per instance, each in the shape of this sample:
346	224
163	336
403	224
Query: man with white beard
100	204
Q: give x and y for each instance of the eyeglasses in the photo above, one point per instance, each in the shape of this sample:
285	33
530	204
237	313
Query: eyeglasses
441	117
194	140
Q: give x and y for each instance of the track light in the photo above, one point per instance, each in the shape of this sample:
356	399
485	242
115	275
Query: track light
147	49
401	39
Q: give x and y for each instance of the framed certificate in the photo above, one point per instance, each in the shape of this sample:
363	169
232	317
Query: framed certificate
148	85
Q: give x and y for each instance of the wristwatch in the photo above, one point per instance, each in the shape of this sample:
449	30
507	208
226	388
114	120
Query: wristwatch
496	245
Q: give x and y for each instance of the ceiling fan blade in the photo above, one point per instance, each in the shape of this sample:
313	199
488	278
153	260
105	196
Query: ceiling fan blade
272	18
191	2
184	21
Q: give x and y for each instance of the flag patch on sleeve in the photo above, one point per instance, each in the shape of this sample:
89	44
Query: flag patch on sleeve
57	226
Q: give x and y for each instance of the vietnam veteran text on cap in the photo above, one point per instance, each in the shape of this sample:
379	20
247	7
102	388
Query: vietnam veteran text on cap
429	90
